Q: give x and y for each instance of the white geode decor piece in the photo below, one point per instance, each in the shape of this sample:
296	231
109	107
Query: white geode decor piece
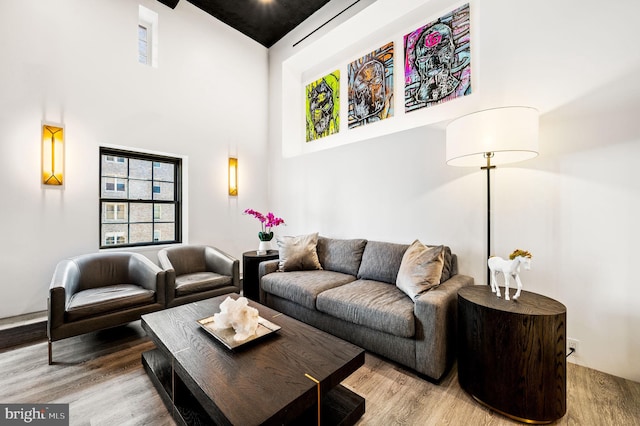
510	269
239	315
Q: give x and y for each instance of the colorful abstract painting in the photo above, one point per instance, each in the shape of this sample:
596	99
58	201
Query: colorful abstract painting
323	106
437	59
371	87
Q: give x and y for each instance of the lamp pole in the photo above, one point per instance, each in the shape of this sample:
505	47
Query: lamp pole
489	137
488	167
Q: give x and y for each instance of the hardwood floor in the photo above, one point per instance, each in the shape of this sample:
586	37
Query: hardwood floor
395	395
100	375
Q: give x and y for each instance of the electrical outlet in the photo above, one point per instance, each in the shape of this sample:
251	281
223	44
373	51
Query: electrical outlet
573	344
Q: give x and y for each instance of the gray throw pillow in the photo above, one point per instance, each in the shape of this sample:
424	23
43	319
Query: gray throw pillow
298	253
381	261
447	269
420	270
341	255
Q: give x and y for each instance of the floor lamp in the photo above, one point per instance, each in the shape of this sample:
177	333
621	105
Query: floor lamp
492	137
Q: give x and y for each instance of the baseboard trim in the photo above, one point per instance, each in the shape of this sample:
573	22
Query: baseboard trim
23	329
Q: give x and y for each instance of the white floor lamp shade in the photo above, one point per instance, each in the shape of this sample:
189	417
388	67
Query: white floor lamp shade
487	138
510	134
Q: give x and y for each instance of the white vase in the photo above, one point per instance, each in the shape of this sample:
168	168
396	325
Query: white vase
264	247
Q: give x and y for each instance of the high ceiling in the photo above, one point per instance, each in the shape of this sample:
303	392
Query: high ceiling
265	21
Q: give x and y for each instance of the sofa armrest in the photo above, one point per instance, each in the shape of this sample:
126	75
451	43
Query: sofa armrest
436	314
267	267
264	268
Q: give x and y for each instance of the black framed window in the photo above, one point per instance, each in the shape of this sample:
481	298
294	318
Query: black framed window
139	199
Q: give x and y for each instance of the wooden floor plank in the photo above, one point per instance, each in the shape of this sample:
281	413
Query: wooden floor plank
101	376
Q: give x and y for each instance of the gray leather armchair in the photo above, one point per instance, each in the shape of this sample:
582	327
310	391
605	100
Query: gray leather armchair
196	272
101	290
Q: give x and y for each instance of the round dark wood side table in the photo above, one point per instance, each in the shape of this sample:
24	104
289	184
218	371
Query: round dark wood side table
250	263
512	353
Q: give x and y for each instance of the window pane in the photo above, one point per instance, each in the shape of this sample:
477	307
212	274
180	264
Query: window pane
140	169
164	213
113	188
114	212
164	172
141	233
165	191
143	44
142	32
143	56
114	159
166	231
113	234
114	166
140	190
141	212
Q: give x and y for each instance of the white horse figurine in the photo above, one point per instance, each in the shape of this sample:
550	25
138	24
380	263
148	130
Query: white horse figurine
509	268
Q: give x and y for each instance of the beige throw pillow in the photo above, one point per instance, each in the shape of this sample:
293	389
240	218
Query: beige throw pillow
420	269
298	253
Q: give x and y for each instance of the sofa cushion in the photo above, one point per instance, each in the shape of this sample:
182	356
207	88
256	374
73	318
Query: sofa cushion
341	255
302	287
298	253
200	281
372	304
421	269
97	301
381	261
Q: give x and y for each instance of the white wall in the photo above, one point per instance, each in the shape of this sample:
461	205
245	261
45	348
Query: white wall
75	62
574	207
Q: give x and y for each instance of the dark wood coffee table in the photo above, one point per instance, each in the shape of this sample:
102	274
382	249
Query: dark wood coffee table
263	382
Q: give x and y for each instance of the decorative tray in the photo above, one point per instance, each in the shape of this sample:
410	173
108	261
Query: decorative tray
225	335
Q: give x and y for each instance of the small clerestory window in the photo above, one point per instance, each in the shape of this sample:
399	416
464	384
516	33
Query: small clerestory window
147	37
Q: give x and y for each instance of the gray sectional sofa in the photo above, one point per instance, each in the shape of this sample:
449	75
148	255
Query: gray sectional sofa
354	296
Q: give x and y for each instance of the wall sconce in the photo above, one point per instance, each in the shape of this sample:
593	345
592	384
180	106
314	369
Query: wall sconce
233	176
52	154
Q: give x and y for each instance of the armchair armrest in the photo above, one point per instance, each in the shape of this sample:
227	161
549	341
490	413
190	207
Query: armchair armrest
436	314
223	263
169	271
147	274
219	261
163	260
63	285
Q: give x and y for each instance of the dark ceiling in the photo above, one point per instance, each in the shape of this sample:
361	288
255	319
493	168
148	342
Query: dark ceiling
264	21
